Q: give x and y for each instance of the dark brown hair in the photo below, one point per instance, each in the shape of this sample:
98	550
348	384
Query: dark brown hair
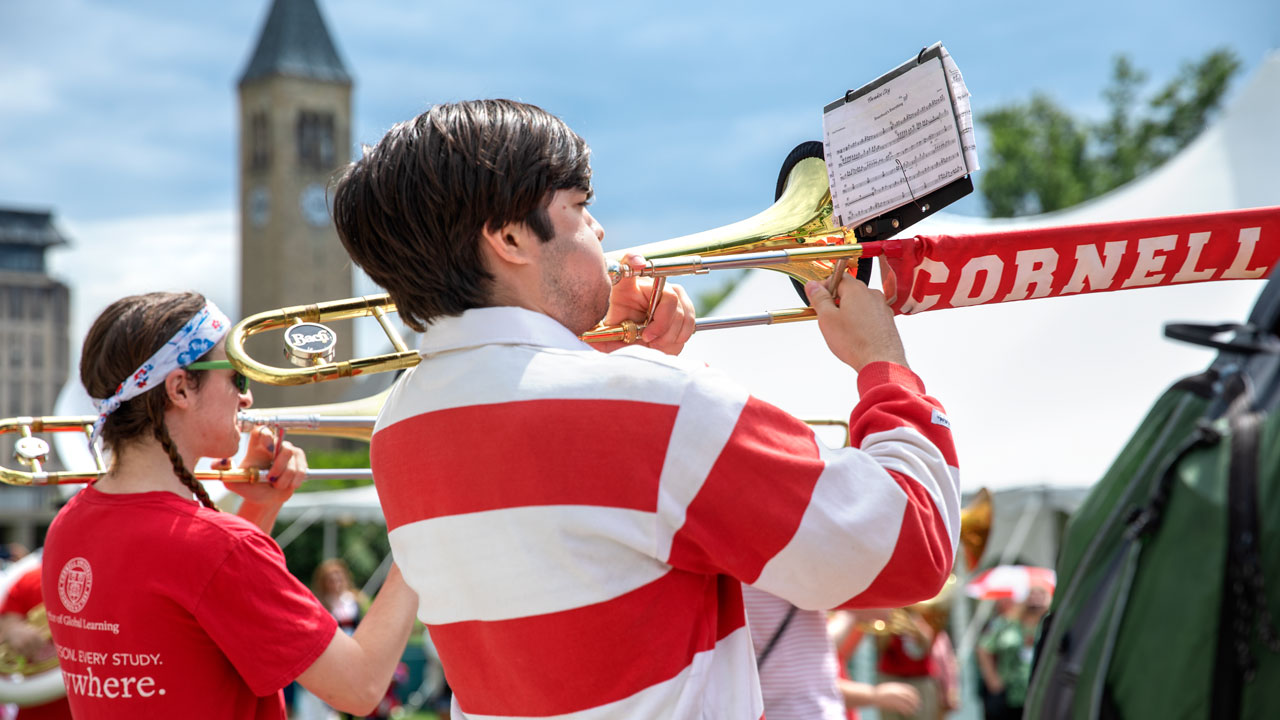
410	212
128	332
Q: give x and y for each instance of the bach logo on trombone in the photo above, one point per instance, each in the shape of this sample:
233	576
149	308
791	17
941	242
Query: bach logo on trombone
74	583
310	337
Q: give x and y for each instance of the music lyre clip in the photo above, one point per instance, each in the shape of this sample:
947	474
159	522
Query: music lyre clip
907	180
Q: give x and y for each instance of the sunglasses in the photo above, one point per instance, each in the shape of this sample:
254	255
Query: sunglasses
240	381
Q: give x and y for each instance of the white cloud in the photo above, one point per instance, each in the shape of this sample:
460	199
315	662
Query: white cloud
107	260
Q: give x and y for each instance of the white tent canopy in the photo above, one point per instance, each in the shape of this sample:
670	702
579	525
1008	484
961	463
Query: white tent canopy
353	505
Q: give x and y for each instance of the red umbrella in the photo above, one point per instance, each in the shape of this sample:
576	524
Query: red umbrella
1010	581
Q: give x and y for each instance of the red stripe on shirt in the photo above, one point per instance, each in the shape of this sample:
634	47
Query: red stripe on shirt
771	462
921	559
520	454
889	398
576	659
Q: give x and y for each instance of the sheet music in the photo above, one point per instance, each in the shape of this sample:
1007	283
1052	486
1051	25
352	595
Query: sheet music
898	142
964	113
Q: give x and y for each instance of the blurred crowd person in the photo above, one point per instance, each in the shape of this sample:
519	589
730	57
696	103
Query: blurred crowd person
1005	654
847	629
917	652
801	673
25	636
335	588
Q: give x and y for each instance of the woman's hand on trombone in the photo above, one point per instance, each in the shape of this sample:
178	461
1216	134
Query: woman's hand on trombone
673	319
858	323
286	470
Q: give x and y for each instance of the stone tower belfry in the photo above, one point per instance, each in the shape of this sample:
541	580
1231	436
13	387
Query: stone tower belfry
295	133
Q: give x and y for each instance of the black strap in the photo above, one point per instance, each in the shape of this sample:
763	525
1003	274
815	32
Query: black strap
1246	339
1204	385
1244	613
774	640
1145	520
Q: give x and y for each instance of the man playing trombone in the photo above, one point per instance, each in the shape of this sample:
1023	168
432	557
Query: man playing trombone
575	522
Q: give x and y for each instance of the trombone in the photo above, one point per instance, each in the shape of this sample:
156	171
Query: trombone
796	236
352	420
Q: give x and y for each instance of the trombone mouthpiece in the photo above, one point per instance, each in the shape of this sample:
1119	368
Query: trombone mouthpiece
618	271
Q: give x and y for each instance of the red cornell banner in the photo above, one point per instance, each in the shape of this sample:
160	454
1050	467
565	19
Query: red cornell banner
944	271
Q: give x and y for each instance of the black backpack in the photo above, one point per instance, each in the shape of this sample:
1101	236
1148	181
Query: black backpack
1169	573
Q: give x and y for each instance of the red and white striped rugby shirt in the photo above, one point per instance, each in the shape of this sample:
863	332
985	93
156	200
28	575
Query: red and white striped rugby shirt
576	523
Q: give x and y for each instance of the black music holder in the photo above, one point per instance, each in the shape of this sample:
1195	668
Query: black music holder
894	221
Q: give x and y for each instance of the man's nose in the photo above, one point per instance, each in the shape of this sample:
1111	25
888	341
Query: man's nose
597	227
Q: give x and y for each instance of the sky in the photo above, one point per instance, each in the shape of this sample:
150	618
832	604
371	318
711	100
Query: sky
120	115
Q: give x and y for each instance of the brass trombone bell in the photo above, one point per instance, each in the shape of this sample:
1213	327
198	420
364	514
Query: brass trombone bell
975	527
800	218
797	236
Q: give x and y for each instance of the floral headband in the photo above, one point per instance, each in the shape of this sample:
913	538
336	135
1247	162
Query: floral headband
196	337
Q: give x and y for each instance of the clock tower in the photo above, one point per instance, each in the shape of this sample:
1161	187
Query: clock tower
295	133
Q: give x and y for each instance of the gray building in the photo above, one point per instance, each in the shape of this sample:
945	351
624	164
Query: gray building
295	133
34	354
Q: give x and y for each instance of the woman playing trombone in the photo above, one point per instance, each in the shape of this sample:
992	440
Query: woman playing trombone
161	605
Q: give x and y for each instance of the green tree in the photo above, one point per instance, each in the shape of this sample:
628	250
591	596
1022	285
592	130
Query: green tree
1038	159
1042	158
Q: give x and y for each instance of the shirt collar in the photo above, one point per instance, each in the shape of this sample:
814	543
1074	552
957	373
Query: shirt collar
497	326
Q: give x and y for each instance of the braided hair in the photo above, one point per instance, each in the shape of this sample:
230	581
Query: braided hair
128	332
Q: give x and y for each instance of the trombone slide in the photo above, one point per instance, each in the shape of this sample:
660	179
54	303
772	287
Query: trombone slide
702	264
32	451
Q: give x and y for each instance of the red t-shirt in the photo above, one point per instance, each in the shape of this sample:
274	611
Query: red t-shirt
905	657
24	594
162	608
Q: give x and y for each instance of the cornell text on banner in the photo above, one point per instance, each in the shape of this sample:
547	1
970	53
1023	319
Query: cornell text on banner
948	271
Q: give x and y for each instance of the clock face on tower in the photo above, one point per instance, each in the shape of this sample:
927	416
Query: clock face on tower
315	207
259	206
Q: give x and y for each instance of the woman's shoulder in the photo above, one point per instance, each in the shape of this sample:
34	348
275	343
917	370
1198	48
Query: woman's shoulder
228	523
165	512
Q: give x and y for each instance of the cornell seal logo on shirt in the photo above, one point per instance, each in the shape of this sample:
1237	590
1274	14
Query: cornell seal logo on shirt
74	583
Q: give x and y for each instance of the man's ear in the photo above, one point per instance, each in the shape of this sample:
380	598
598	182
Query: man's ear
180	388
512	243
